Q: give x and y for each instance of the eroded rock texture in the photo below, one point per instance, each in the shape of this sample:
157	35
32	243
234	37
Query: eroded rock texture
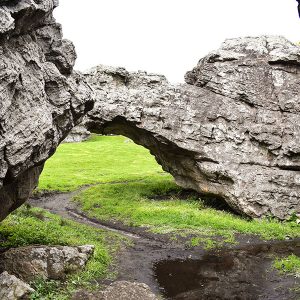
12	288
41	98
31	262
231	131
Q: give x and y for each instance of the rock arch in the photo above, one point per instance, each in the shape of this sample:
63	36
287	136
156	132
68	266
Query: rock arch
231	130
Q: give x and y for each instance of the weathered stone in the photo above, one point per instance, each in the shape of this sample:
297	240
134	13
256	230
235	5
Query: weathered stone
41	98
232	130
12	288
28	263
78	134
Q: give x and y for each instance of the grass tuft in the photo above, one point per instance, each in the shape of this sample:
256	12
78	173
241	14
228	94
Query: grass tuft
289	265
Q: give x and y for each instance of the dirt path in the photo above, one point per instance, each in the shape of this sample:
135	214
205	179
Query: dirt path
178	272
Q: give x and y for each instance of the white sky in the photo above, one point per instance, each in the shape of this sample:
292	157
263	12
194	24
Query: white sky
167	36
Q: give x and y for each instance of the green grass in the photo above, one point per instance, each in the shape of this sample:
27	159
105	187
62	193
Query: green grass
31	226
126	177
131	204
100	159
113	159
289	265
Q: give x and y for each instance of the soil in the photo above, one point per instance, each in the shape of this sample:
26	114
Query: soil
176	271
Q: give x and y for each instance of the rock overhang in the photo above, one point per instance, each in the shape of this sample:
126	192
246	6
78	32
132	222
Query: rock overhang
231	130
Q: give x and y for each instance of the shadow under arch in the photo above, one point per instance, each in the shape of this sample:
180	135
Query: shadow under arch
179	162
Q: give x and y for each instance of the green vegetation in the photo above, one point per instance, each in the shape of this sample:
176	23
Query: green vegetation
134	204
30	226
101	159
129	187
289	265
129	178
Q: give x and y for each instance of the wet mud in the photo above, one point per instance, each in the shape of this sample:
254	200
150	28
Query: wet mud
176	271
245	273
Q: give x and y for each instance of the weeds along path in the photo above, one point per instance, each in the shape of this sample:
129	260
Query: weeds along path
62	205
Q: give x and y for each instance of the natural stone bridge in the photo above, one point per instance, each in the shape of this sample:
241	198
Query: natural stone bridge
232	130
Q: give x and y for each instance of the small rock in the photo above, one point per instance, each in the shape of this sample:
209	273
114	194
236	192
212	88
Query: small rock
78	134
47	262
12	288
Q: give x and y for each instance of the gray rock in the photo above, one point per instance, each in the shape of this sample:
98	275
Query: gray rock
41	98
232	130
12	288
28	263
78	134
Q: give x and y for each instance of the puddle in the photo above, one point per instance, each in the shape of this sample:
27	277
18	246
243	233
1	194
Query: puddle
232	274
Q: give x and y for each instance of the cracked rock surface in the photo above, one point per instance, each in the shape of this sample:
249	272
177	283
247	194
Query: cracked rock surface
232	130
31	262
41	98
12	288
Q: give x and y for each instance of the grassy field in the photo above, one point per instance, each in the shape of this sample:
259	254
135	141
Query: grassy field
101	159
113	159
133	204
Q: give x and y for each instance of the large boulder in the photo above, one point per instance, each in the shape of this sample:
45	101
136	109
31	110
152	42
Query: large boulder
41	98
31	262
232	131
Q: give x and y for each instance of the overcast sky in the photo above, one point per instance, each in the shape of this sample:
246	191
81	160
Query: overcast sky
167	36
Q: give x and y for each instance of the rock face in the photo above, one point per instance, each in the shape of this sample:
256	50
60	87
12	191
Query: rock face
41	98
12	288
233	130
28	263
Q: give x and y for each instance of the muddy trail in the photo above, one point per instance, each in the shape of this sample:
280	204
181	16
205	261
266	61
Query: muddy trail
176	271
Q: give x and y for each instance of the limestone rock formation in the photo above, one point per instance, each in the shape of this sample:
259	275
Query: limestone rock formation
232	130
41	98
12	288
28	263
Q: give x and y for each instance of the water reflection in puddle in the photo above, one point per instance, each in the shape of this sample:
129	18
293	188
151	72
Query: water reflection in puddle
233	274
